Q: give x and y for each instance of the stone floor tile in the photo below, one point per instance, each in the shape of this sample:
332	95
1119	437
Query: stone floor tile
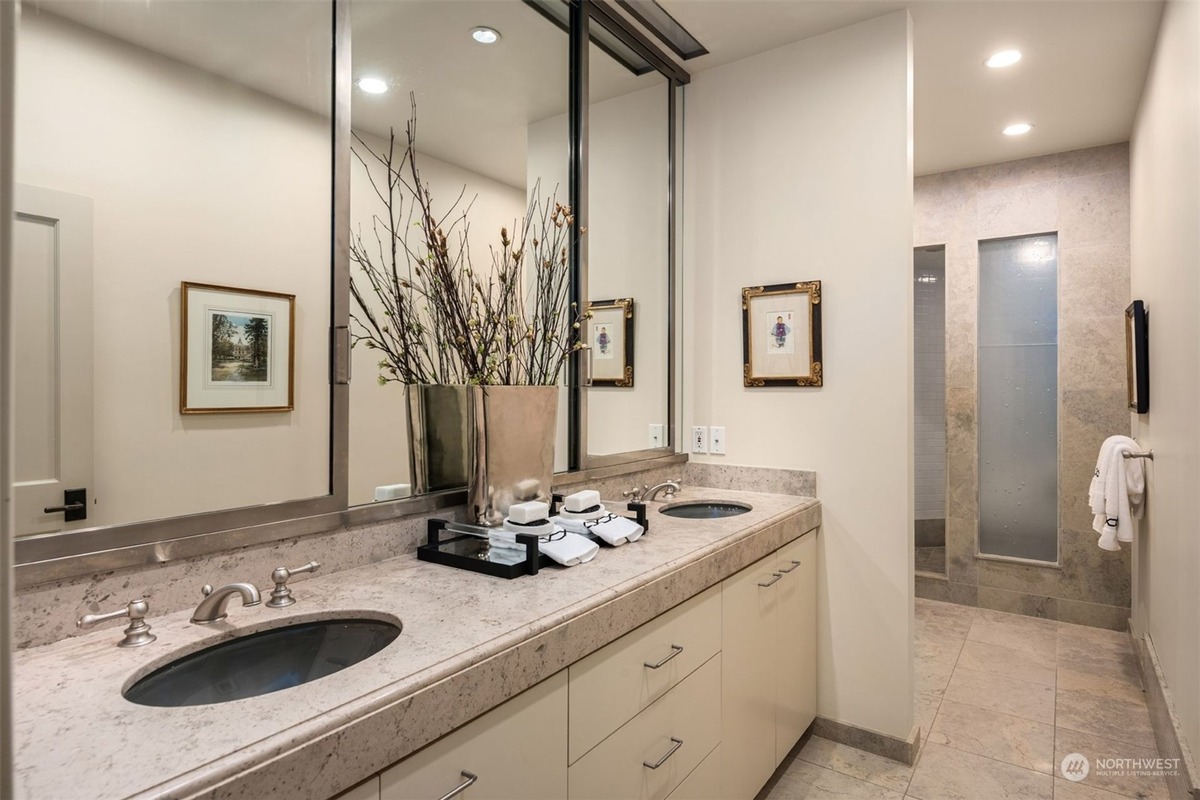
1103	716
1095	749
1035	667
944	773
1002	693
1013	740
801	780
856	763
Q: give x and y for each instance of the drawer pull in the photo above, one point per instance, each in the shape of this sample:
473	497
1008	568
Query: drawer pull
775	578
462	787
676	744
675	650
793	568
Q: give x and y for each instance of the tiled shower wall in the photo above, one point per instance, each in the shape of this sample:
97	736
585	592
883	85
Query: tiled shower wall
929	381
1082	195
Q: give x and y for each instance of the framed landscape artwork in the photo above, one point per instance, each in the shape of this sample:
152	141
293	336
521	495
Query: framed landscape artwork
610	342
781	335
238	350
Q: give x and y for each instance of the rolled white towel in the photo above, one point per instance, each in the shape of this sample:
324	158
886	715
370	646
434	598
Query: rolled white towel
612	528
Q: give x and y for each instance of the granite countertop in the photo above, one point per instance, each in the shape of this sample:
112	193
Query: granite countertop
469	642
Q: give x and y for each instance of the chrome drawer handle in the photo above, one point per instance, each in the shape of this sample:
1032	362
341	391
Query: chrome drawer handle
462	787
776	577
795	566
678	743
675	650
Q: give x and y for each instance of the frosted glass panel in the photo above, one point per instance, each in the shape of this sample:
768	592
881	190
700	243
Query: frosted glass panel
1018	398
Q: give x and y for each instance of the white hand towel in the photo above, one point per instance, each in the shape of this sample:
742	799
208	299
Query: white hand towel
612	528
1117	492
565	548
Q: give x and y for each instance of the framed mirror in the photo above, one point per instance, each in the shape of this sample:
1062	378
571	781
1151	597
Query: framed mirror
486	83
629	252
156	145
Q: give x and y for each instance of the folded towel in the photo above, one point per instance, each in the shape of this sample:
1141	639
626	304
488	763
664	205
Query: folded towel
565	548
612	528
1117	492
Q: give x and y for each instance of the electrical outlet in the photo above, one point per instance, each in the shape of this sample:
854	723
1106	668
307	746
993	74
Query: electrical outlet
716	439
656	435
699	439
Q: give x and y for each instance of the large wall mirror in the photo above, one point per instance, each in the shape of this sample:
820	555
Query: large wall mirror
489	83
158	144
628	264
197	183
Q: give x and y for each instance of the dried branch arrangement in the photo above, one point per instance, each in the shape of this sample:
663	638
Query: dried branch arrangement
435	318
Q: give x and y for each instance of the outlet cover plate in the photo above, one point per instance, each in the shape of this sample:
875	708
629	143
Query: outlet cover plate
699	439
656	435
716	440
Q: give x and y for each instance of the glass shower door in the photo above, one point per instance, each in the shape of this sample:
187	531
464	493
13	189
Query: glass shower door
1018	398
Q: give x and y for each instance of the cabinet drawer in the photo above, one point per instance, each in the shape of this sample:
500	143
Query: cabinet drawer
609	687
516	750
687	720
705	781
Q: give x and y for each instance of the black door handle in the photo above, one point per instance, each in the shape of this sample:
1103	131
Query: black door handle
74	505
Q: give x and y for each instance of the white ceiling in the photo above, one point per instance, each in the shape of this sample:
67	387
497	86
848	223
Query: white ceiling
1079	83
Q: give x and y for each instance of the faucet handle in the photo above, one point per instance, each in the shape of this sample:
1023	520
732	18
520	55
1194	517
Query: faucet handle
137	634
281	595
635	494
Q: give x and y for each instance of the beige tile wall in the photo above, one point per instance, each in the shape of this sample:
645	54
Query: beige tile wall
1083	196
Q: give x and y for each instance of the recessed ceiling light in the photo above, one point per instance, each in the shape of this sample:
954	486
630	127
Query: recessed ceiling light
1018	128
485	35
373	85
1005	58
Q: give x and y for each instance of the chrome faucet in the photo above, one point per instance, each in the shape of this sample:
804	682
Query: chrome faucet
648	493
212	607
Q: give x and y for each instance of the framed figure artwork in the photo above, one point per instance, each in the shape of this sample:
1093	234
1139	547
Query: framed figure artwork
781	335
610	342
238	350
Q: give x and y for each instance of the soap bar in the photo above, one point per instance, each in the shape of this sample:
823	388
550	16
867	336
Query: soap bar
582	501
525	513
392	492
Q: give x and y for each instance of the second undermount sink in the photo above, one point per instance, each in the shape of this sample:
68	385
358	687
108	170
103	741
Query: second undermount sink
264	662
705	509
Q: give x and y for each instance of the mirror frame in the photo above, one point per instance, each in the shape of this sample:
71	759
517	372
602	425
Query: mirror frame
44	558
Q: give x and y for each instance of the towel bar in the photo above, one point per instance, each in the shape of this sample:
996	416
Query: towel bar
1148	454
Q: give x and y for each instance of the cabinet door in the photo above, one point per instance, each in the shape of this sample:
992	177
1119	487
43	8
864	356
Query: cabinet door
748	653
796	623
518	749
705	781
367	790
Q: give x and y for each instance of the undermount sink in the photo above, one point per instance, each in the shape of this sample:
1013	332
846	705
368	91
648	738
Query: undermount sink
263	662
704	509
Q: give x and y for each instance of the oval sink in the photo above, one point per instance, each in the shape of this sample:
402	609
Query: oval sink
704	509
263	662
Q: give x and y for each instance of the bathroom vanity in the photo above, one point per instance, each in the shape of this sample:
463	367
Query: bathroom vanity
577	682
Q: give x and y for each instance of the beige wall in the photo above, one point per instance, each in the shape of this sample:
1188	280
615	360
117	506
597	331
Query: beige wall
1083	196
1166	260
193	178
798	167
378	417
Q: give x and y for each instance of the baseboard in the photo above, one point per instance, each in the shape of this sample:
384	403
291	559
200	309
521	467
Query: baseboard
1167	732
881	744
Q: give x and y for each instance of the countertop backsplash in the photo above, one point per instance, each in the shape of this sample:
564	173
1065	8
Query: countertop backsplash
47	612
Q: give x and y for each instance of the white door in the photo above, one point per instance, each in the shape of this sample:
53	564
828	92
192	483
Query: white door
52	277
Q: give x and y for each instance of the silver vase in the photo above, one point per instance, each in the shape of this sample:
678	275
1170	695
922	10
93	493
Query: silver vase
439	429
512	448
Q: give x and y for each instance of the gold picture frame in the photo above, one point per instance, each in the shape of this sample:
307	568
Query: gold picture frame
610	342
781	335
237	352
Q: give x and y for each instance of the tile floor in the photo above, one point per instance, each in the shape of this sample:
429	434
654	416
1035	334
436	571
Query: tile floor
1001	700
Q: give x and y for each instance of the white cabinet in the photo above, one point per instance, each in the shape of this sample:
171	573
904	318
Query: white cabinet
796	639
705	781
649	756
367	790
518	749
614	684
768	641
748	603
